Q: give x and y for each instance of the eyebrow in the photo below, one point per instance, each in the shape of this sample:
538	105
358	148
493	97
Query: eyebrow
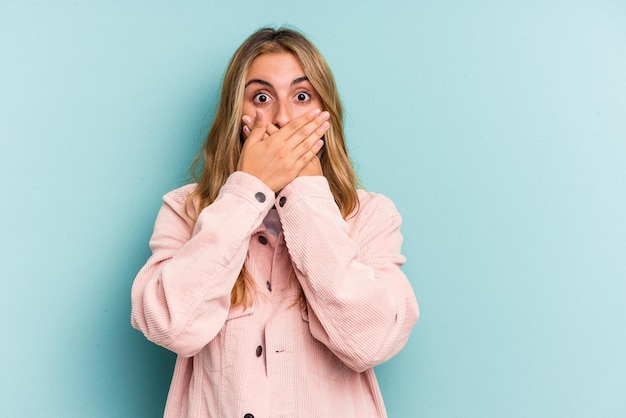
268	84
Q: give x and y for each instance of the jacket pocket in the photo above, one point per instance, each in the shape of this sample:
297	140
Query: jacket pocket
221	353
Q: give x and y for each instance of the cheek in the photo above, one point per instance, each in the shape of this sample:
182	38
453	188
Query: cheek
311	105
248	109
316	103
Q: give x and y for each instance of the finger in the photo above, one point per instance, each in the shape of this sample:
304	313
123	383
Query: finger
306	159
312	168
314	128
257	133
319	144
248	125
313	143
272	129
248	120
295	125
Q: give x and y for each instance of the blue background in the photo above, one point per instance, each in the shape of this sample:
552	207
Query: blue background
498	128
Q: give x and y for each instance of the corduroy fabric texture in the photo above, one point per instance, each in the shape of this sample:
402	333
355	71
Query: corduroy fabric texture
276	359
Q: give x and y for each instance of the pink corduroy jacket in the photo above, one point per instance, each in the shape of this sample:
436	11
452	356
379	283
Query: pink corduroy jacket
276	359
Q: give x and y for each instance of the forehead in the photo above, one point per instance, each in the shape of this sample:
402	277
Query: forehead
275	66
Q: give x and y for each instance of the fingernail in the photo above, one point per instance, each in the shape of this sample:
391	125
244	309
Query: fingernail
246	119
246	130
316	112
325	115
325	125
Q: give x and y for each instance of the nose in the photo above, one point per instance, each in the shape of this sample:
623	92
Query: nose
282	115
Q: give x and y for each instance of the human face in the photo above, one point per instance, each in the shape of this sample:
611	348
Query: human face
277	86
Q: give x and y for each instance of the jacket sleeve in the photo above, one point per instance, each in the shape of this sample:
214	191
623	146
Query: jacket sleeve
181	297
360	303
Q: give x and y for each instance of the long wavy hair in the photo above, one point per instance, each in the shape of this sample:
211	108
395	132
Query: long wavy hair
219	155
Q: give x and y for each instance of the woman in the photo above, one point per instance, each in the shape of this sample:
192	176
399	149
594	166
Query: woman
274	279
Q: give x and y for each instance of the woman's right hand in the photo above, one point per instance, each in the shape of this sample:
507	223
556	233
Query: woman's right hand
277	158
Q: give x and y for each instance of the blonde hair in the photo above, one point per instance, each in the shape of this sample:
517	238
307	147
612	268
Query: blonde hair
220	153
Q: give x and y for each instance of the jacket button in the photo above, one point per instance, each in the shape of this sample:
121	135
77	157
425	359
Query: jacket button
260	197
248	416
282	201
263	239
259	351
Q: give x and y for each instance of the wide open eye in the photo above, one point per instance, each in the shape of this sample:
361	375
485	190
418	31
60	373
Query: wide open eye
303	96
261	98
